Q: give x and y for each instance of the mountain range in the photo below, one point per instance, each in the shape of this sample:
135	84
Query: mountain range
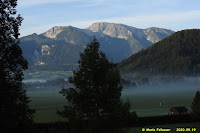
59	47
177	54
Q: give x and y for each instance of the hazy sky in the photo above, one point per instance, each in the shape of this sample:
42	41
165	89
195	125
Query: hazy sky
41	15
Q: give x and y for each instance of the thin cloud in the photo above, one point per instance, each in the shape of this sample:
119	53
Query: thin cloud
25	3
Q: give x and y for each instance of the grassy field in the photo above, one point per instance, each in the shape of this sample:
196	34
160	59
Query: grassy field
46	105
144	102
159	103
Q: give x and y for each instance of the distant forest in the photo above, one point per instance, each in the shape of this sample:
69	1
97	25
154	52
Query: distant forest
176	54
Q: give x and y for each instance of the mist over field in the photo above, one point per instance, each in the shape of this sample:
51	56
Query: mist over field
149	96
158	95
154	85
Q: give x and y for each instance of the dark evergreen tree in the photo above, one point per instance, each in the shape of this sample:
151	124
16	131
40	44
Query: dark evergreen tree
196	105
97	88
14	109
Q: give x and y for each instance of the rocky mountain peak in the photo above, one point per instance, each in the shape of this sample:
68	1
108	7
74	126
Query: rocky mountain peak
53	32
98	27
110	29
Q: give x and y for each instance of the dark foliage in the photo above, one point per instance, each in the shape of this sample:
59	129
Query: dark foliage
125	83
196	105
97	89
14	109
176	54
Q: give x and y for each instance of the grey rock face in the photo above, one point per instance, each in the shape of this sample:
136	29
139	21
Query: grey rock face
137	38
53	32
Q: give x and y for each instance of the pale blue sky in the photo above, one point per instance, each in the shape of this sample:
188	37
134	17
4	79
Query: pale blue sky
41	15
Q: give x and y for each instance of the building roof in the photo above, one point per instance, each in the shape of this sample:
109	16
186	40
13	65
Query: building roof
179	109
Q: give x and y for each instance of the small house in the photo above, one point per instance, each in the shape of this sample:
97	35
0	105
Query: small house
178	110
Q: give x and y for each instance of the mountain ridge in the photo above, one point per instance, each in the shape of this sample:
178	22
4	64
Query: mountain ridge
118	41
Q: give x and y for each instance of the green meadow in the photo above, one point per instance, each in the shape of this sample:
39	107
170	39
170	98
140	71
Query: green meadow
46	103
159	103
146	101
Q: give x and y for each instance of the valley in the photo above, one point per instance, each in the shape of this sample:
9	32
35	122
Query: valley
151	92
144	99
